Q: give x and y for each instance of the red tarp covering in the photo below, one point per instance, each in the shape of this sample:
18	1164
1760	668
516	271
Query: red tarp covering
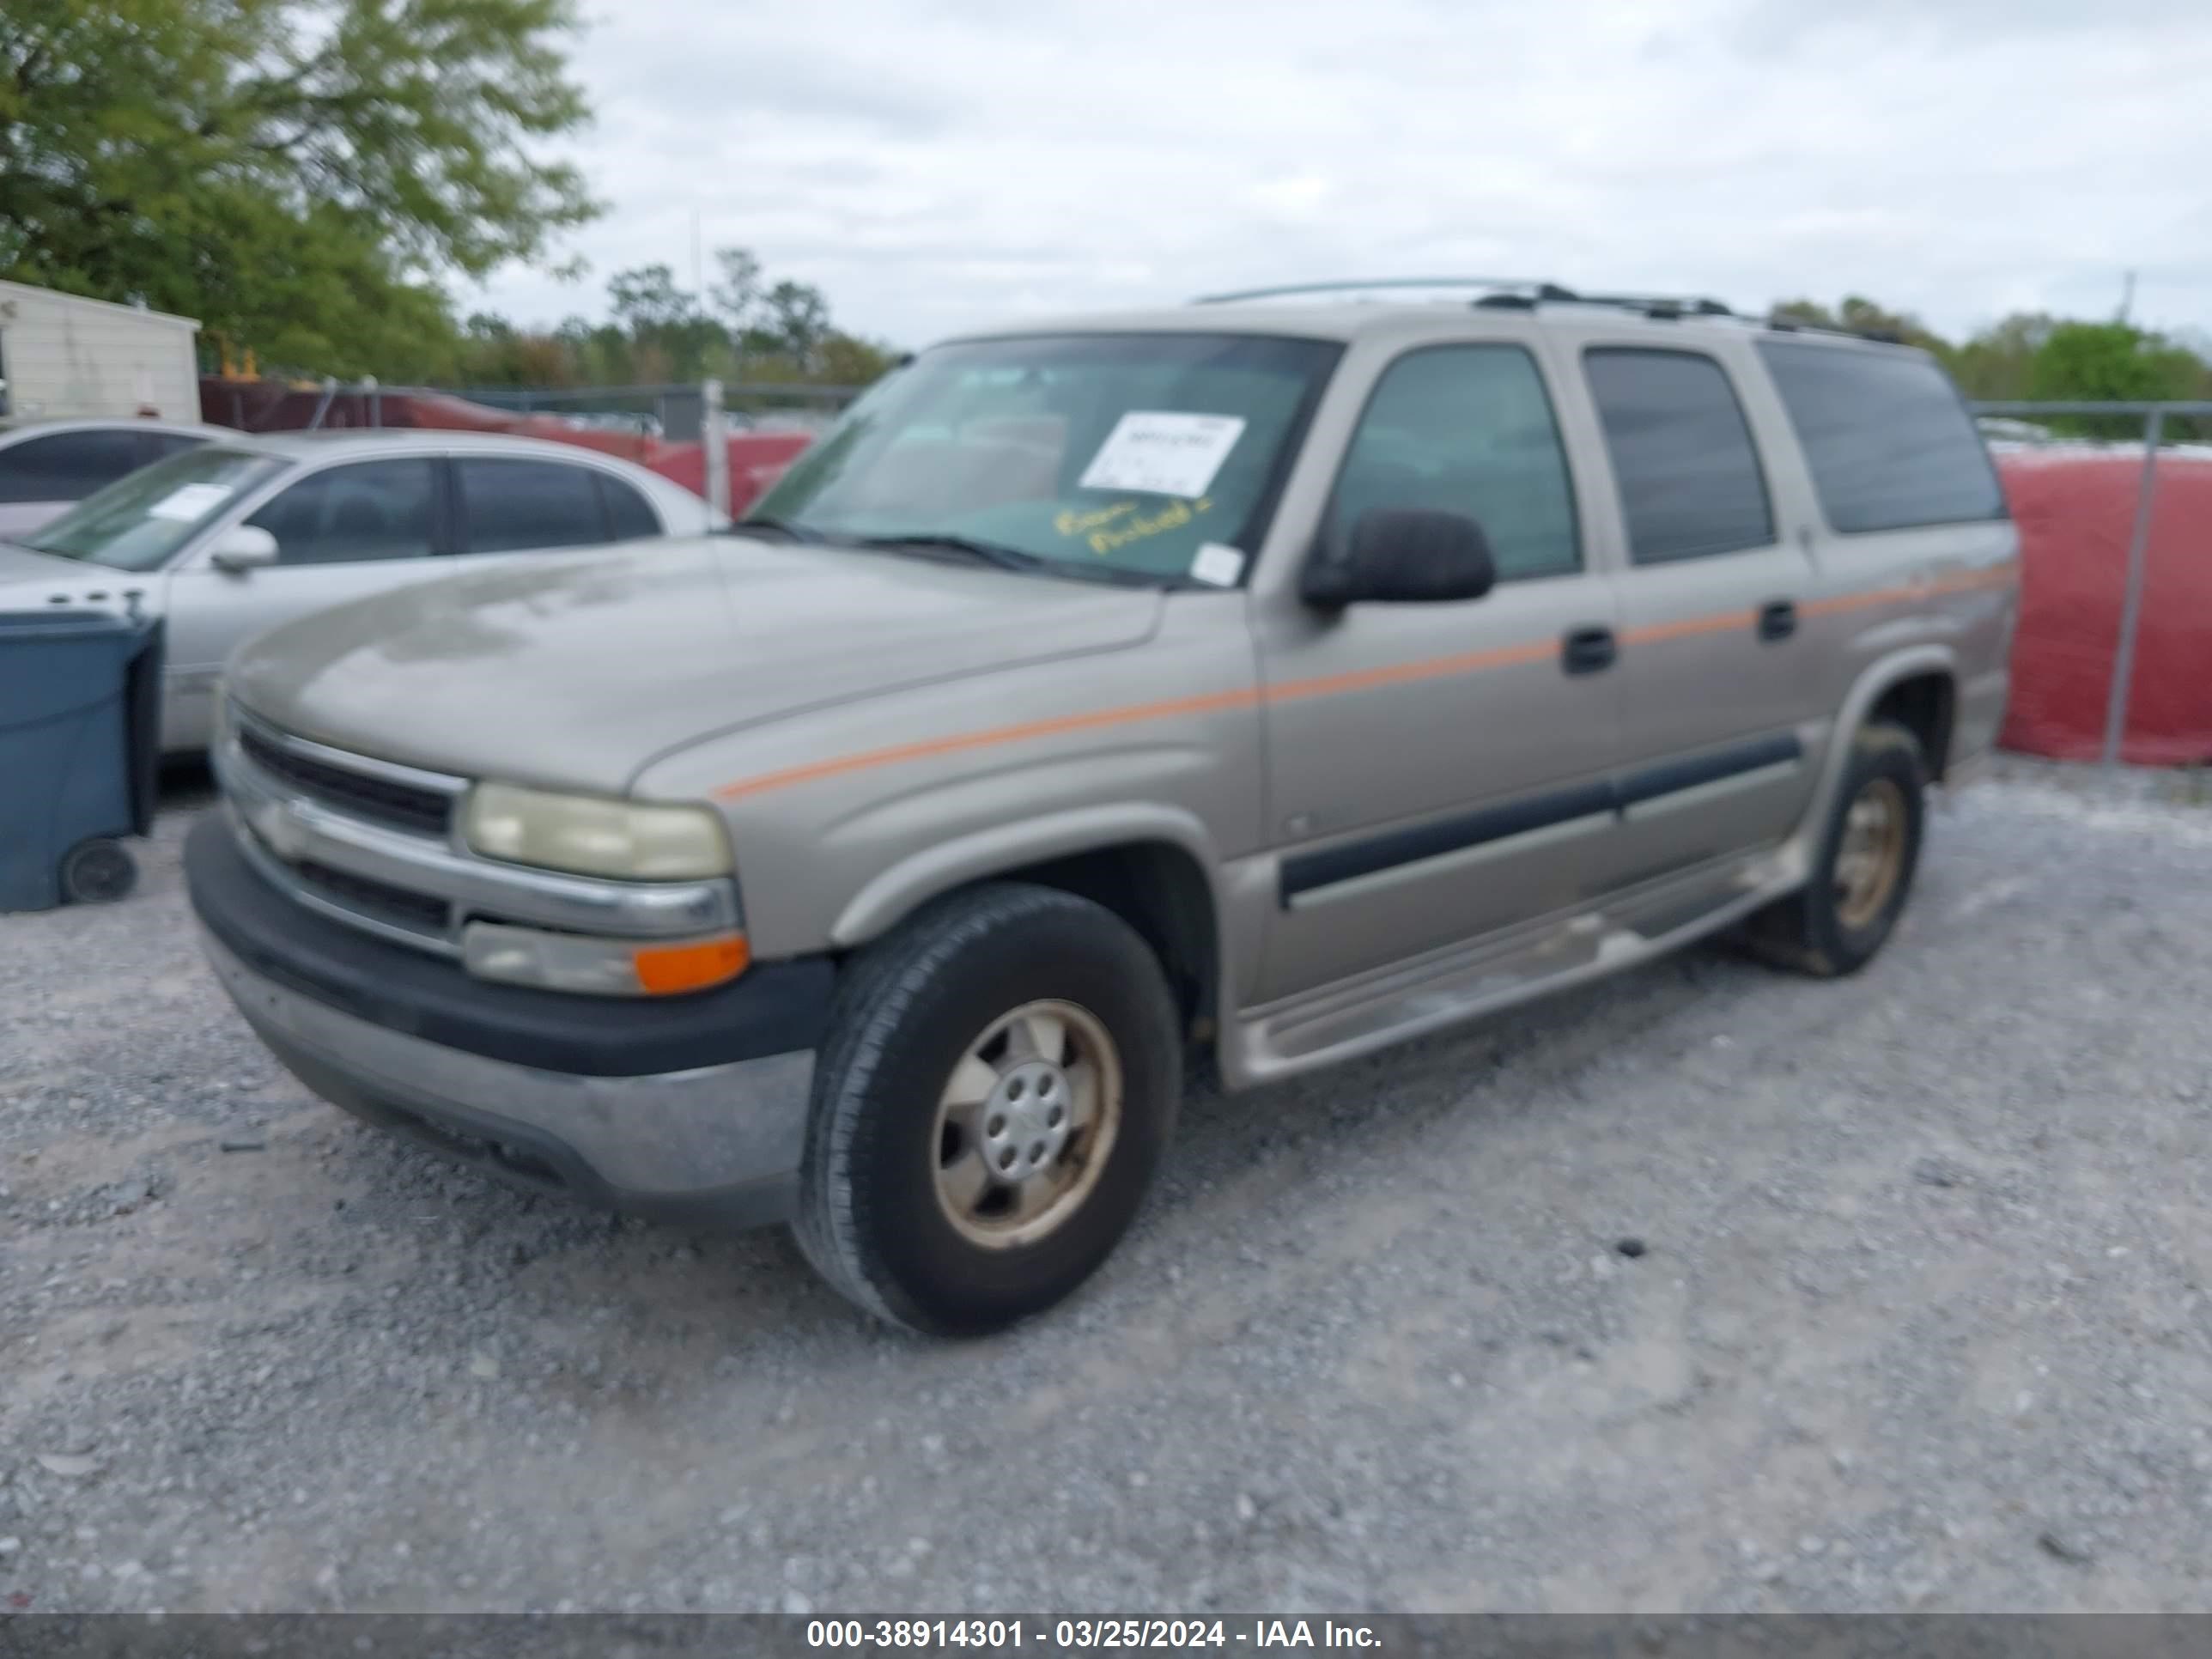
2076	511
756	459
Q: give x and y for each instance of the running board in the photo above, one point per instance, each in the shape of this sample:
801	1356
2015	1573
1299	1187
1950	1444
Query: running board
1460	982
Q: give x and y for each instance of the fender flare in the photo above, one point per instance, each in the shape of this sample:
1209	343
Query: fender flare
893	894
1858	703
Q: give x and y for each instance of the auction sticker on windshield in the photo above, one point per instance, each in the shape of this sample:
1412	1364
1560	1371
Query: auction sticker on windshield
1163	452
189	501
1216	565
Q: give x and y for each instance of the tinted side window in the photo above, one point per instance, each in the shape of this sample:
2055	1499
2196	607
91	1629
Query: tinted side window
1682	454
67	466
348	514
1889	443
1467	429
509	506
627	516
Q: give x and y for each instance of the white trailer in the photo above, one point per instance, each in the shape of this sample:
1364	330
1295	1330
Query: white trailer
64	356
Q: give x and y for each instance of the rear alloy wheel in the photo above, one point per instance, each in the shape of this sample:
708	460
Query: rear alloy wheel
998	1081
1863	868
1870	853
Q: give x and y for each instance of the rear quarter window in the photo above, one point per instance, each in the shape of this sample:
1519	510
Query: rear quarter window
512	506
1889	443
628	516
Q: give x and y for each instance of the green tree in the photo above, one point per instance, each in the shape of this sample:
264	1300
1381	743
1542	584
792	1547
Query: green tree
670	336
2110	361
1999	363
736	295
773	334
1863	316
2115	363
299	174
848	360
798	321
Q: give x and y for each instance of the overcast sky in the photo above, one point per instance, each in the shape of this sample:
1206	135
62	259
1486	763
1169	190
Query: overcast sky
932	164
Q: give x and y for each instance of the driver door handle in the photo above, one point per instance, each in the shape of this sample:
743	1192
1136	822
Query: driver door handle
1588	650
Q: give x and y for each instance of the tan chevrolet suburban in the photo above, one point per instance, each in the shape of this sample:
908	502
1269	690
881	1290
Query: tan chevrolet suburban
1251	685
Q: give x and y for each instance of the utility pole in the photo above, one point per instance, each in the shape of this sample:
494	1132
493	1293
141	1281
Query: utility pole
2127	297
698	267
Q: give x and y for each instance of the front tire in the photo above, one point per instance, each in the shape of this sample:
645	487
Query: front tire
1000	1079
1863	868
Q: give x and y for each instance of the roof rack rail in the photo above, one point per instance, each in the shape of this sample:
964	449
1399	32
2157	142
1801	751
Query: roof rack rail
1503	293
1782	324
1658	305
1526	293
1289	289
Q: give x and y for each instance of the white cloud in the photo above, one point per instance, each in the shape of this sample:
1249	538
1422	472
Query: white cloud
932	164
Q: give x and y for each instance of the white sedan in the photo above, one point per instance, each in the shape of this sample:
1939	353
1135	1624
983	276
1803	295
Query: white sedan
233	537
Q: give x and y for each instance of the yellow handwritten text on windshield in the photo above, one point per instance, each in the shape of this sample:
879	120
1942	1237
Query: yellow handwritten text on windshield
1072	523
1121	530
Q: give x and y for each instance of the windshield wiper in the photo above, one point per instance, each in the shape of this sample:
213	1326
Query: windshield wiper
798	532
990	553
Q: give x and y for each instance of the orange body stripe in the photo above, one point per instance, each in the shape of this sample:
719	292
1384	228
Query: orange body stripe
1689	626
1397	673
1326	685
953	745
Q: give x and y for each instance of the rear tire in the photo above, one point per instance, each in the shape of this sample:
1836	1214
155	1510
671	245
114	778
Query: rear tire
1000	1079
97	872
1862	869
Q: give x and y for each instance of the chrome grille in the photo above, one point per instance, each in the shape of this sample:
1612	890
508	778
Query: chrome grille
373	844
396	904
381	800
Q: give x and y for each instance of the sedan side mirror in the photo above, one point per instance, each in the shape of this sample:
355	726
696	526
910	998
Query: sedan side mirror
1402	555
241	548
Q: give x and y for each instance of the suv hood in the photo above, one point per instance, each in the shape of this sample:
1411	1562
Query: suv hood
576	671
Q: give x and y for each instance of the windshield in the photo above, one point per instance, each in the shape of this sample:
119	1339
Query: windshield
139	520
1114	454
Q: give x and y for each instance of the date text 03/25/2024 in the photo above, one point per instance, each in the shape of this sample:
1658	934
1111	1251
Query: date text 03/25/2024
992	1634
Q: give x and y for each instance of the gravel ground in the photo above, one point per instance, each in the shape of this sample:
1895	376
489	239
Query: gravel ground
1704	1289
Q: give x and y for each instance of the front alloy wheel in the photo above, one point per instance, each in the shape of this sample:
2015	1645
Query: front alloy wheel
1026	1123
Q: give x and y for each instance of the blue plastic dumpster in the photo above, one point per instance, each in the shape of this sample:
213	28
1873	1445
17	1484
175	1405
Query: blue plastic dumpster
79	707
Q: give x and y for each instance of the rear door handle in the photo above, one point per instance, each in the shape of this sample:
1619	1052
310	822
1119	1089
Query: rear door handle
1588	651
1777	621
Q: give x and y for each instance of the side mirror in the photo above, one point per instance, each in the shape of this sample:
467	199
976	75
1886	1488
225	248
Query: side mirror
241	548
1402	555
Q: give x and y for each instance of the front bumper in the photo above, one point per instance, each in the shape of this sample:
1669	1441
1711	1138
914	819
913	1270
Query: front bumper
690	1109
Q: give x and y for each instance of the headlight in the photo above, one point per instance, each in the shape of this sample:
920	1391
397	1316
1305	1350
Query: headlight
589	836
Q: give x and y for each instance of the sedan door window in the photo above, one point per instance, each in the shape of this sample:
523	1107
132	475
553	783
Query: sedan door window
510	507
352	514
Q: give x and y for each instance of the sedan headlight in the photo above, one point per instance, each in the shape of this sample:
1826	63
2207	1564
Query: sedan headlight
589	835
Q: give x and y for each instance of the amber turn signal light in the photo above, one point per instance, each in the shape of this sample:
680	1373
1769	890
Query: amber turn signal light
670	969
